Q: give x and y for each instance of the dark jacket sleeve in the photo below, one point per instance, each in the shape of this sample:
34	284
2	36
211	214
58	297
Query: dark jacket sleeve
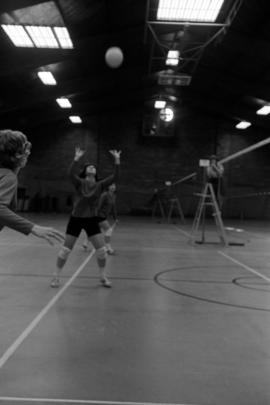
8	190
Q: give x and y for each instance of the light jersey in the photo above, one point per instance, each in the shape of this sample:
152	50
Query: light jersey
87	194
8	202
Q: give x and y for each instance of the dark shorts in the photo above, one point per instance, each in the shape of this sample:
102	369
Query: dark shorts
90	225
101	218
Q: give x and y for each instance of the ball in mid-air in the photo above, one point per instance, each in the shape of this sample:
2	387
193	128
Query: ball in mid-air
114	57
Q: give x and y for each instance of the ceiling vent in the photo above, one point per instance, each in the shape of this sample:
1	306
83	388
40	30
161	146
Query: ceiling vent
174	79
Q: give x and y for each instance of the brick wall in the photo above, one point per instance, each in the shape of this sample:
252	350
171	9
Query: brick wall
148	163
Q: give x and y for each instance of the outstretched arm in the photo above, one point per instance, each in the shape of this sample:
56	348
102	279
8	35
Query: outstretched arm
51	235
73	170
10	219
113	177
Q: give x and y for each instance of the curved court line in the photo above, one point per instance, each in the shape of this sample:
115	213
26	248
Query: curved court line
198	298
9	352
83	401
249	286
245	266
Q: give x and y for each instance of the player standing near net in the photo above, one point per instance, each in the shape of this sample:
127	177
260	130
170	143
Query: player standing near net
83	216
214	174
14	152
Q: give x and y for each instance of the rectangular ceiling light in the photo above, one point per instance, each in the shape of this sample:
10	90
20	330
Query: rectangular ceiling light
265	110
243	125
64	102
75	119
189	10
18	35
160	104
39	36
47	78
172	58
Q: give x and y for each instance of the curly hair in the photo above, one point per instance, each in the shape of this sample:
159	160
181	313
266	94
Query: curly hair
13	147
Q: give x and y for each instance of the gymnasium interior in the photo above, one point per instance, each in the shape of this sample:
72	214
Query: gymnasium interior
169	83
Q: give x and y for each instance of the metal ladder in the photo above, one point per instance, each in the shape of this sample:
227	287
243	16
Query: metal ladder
208	198
175	206
158	209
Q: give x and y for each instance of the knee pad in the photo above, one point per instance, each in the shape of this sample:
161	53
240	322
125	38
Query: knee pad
64	253
101	253
108	232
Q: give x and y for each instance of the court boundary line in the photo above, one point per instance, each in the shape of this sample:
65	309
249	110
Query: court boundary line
180	230
11	350
250	269
85	401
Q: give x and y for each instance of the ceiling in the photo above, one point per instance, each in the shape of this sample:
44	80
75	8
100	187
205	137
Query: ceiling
228	62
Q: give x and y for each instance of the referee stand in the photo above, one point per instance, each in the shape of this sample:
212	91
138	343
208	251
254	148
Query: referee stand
208	199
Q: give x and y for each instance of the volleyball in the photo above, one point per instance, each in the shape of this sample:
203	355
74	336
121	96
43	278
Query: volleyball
114	57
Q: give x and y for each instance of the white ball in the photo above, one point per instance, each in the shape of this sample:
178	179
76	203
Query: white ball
114	57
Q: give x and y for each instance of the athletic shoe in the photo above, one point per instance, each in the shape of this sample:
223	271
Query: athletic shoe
106	283
110	251
55	283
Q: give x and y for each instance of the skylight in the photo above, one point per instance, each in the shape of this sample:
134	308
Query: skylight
64	102
38	36
42	37
47	78
18	36
75	119
63	37
189	10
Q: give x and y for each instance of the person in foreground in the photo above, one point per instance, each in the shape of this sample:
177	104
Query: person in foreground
83	216
14	152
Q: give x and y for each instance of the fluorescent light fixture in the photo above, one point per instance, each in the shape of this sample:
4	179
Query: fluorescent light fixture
18	35
172	58
64	102
189	10
75	119
47	78
173	54
265	110
160	103
243	125
63	37
38	36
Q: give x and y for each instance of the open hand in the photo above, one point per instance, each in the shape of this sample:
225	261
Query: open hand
78	153
50	234
116	154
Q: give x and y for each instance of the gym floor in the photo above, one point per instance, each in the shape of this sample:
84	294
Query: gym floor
183	324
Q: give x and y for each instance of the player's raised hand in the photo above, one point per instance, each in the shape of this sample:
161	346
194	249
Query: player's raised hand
78	153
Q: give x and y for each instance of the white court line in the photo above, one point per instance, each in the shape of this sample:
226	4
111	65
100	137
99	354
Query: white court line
9	352
245	266
83	401
181	230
